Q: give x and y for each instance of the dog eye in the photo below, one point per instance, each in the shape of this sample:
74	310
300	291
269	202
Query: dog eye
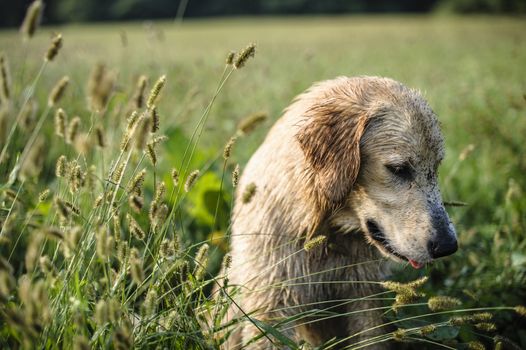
403	171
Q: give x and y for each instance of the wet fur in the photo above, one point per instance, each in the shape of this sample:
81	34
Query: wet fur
312	179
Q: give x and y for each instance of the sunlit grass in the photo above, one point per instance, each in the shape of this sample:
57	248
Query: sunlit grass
106	259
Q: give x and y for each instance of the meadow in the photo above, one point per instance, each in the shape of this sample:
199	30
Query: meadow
111	239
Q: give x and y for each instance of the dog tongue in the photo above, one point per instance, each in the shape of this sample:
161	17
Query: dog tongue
415	264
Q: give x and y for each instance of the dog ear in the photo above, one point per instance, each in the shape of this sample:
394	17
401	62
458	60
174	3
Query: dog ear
330	141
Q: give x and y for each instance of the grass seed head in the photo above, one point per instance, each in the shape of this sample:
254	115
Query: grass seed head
314	242
481	317
123	252
5	90
27	115
138	97
160	191
486	326
175	177
43	195
157	140
63	210
47	266
168	248
227	151
5	266
61	166
244	55
73	130
156	90
53	233
235	176
400	334
155	119
399	288
132	121
426	330
118	172
417	283
142	132
160	216
466	152
58	91
476	345
136	203
137	182
152	155
227	262
60	122
201	261
73	237
149	305
7	285
520	310
54	48
100	86
251	122
249	193
230	58
105	243
32	19
135	229
136	268
154	207
101	315
190	180
76	177
440	303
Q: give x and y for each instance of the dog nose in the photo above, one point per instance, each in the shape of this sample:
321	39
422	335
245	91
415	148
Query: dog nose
442	247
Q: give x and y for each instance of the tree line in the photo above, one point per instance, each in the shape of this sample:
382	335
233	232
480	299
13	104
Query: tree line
63	11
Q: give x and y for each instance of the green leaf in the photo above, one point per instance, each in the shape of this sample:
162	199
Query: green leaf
203	200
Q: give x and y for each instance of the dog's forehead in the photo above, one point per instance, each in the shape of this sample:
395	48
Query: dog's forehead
403	125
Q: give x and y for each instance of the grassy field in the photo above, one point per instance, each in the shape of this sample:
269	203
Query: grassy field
76	269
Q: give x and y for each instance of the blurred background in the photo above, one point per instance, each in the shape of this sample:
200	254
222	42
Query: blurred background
61	11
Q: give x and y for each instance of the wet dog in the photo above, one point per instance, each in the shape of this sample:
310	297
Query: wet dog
354	160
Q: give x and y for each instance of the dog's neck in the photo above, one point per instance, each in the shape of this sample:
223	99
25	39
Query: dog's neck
351	243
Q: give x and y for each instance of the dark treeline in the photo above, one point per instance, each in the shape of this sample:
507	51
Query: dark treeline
61	11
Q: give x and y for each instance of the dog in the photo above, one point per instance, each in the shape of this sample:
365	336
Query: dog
353	160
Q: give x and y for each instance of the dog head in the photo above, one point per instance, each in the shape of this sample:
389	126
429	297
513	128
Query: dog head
372	149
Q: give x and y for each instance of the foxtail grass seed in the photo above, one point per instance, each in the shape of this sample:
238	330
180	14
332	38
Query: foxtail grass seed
190	181
58	91
54	48
32	19
314	242
235	176
138	97
249	193
244	55
60	122
156	90
251	122
5	90
227	151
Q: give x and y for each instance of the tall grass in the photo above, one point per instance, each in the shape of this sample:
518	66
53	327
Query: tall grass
115	215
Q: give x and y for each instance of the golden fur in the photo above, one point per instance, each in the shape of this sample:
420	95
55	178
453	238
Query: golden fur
354	159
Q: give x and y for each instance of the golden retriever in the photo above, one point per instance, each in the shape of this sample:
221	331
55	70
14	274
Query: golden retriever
355	160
